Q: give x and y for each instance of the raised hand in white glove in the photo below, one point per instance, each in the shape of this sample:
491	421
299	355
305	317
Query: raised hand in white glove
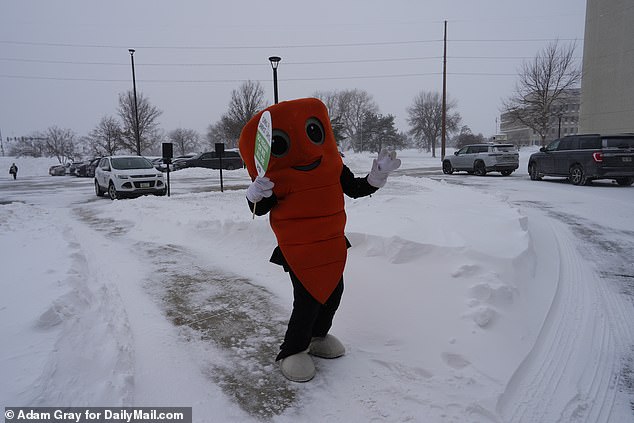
382	166
261	187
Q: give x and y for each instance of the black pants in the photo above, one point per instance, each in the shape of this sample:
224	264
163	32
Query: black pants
309	318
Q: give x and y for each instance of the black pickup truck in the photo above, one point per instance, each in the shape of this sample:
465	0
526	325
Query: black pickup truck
230	160
584	158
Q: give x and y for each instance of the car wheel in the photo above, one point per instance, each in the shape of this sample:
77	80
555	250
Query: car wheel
447	169
230	167
98	190
533	171
479	168
578	176
112	192
506	172
625	182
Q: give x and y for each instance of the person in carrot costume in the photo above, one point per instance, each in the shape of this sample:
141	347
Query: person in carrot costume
303	191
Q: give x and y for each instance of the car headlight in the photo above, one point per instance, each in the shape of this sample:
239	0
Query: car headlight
160	175
122	176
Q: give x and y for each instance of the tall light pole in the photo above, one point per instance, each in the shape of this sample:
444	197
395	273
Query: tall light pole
275	61
443	131
136	107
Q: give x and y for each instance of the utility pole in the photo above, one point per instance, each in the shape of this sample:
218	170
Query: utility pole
443	136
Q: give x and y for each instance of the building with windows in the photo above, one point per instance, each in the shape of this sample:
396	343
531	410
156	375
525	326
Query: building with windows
565	121
607	102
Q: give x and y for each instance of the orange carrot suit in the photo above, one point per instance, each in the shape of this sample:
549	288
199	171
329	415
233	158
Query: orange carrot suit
309	218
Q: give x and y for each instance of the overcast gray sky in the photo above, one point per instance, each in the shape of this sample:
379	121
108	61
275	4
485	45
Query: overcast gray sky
65	62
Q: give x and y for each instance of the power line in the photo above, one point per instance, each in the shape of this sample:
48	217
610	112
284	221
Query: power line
360	44
325	62
516	40
288	63
289	46
481	74
202	81
211	81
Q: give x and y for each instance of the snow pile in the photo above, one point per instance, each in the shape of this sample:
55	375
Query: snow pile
27	166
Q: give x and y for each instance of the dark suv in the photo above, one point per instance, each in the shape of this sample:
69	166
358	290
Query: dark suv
584	158
230	160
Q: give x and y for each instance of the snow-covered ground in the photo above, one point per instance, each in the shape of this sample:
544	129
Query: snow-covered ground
460	305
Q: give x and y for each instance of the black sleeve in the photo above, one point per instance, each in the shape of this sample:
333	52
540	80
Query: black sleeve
264	205
355	187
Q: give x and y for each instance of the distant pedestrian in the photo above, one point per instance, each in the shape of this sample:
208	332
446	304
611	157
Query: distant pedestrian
13	170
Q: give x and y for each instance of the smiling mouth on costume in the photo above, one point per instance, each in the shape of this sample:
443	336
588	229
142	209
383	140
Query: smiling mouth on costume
308	167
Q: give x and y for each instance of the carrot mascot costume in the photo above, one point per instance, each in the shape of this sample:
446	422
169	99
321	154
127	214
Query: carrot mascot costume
303	191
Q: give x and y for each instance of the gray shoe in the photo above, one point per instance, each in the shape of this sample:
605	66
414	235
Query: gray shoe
298	367
326	347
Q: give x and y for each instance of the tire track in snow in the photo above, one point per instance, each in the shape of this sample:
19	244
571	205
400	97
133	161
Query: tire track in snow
609	249
92	359
209	305
576	359
535	383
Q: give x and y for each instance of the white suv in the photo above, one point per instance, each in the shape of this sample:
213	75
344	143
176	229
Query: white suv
128	176
483	158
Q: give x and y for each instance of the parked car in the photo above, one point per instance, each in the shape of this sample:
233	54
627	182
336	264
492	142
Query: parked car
87	168
82	169
58	170
159	164
128	176
180	159
72	169
483	158
586	157
92	166
230	160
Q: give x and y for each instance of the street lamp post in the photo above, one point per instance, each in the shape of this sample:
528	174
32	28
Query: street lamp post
136	107
443	129
275	61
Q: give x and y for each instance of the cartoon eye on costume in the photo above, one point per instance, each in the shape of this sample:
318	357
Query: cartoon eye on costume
315	130
280	143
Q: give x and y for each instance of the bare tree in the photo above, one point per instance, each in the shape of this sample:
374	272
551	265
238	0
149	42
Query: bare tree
60	143
185	140
216	133
246	102
425	119
356	104
106	138
331	100
542	84
348	110
31	146
149	132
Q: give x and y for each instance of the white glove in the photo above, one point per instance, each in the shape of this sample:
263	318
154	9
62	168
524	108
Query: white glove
382	166
261	187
